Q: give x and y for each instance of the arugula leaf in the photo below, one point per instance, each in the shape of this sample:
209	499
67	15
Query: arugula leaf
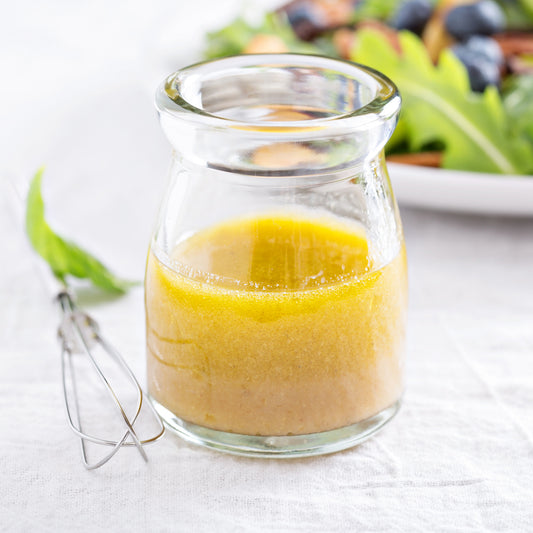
374	9
527	6
234	38
518	103
438	105
64	257
518	14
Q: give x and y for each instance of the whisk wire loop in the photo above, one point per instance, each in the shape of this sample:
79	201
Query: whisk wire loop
79	333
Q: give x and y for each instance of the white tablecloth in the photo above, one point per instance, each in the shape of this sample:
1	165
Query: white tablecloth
76	95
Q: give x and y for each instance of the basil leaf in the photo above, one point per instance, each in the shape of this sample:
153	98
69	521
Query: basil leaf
64	257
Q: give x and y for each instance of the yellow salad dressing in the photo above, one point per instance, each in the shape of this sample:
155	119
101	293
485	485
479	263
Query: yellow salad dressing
275	325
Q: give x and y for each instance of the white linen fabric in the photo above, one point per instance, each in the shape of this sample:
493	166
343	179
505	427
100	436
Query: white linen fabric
78	80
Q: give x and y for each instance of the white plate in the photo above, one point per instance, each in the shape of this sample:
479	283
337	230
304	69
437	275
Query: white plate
456	190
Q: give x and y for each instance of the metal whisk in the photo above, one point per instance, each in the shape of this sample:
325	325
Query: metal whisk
80	337
79	334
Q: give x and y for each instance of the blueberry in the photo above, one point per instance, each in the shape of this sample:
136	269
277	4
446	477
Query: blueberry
412	15
481	71
487	48
301	13
481	18
304	20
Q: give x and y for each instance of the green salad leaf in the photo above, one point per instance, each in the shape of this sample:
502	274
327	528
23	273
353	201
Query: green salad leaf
527	6
374	9
518	104
438	106
232	39
518	14
64	257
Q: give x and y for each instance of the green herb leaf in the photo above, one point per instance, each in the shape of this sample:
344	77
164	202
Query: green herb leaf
234	38
527	6
374	9
438	106
519	14
63	257
518	104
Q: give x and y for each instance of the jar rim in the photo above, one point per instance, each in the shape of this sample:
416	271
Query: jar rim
382	106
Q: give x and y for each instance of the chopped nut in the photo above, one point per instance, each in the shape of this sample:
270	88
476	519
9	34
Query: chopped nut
344	40
284	114
266	44
423	159
285	155
515	43
336	12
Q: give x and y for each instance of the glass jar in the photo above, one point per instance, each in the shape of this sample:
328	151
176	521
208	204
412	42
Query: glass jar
276	278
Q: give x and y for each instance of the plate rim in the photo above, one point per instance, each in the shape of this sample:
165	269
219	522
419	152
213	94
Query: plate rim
462	191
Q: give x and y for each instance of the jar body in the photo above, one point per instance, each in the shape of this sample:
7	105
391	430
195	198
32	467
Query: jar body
275	304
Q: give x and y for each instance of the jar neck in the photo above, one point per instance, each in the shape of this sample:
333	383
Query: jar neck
244	153
287	179
278	115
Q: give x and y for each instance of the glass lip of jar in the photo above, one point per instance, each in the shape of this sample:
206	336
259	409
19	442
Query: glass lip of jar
384	106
